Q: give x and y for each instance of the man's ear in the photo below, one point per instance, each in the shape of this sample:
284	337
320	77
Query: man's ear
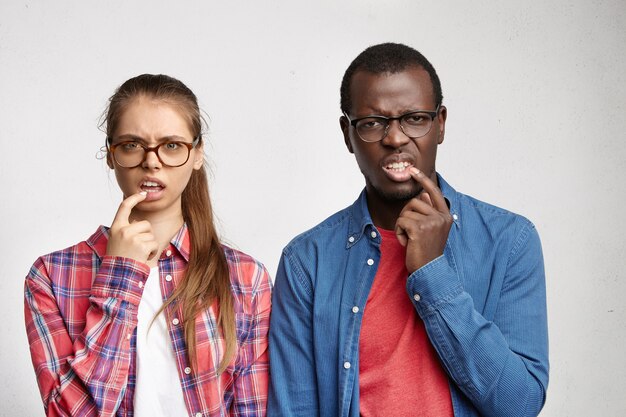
441	119
345	129
198	157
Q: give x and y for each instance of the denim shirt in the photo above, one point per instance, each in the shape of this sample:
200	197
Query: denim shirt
483	303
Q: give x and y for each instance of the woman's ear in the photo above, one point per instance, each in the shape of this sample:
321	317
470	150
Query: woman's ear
198	157
109	160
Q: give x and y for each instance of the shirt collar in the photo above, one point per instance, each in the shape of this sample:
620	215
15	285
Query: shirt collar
180	242
361	221
452	199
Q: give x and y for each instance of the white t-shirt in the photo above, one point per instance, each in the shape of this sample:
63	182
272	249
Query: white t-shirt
158	391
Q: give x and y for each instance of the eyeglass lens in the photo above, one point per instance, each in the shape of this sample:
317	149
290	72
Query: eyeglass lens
132	154
414	125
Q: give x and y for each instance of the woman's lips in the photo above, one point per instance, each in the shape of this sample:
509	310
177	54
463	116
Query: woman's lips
153	188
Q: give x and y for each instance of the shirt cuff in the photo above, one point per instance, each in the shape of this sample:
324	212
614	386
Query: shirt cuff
435	283
121	278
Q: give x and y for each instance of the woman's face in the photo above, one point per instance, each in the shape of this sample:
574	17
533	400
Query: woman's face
150	122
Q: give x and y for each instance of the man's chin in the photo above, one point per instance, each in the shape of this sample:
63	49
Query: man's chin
395	196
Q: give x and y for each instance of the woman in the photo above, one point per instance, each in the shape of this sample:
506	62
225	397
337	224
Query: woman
152	316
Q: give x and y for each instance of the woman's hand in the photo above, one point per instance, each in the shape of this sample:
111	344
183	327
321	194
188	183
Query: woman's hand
133	240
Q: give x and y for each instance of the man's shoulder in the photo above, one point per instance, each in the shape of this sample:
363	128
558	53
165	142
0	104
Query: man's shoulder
468	203
323	232
464	204
475	215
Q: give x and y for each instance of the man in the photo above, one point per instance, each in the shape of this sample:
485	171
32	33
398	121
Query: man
417	300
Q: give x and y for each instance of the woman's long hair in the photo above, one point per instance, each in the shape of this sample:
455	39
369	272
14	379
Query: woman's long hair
207	278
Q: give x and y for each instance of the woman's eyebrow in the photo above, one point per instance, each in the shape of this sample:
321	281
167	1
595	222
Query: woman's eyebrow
136	138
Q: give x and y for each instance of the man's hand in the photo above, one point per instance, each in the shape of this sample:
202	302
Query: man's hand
131	240
423	224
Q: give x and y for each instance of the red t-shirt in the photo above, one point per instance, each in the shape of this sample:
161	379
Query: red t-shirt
399	372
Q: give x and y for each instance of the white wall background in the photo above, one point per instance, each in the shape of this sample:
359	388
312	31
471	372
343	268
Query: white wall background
536	94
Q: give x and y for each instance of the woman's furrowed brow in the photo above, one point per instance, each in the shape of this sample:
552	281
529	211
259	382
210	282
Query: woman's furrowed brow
136	138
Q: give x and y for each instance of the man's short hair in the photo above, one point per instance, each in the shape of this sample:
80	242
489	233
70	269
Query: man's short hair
387	58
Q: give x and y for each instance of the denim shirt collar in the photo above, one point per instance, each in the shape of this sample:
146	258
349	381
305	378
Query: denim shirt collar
452	199
361	221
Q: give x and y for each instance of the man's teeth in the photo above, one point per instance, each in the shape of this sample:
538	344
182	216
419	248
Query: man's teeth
398	166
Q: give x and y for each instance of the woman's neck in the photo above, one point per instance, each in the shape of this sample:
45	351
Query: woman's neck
164	228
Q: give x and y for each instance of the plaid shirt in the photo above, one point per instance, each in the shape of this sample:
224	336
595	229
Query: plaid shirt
81	319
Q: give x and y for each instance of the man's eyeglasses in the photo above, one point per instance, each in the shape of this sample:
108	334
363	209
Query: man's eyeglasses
414	124
131	154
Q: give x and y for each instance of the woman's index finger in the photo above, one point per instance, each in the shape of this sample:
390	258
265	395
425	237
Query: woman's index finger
123	212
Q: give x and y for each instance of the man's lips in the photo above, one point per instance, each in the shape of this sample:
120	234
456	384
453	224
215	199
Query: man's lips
397	166
394	160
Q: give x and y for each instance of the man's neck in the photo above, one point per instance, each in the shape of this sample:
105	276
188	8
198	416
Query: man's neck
384	213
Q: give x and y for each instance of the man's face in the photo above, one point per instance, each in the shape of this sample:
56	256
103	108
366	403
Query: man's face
385	164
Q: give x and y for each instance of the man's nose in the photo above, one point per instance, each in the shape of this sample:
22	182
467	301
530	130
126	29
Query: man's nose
395	136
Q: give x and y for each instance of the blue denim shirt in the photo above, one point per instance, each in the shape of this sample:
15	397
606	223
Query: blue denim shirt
483	303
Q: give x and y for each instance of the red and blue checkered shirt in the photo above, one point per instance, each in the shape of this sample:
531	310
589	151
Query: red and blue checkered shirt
81	319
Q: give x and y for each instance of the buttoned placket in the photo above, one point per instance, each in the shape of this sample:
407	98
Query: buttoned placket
166	263
356	309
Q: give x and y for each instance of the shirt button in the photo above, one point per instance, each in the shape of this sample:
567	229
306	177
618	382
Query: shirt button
355	309
140	284
370	262
373	235
175	322
187	370
417	297
128	336
351	239
198	414
346	365
168	253
455	217
168	278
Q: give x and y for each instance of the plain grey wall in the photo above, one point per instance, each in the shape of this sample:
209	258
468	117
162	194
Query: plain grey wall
536	95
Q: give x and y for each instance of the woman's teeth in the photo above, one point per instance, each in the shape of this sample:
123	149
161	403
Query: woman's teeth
151	186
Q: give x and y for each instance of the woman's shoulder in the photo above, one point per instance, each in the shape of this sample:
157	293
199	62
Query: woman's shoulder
247	274
79	257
